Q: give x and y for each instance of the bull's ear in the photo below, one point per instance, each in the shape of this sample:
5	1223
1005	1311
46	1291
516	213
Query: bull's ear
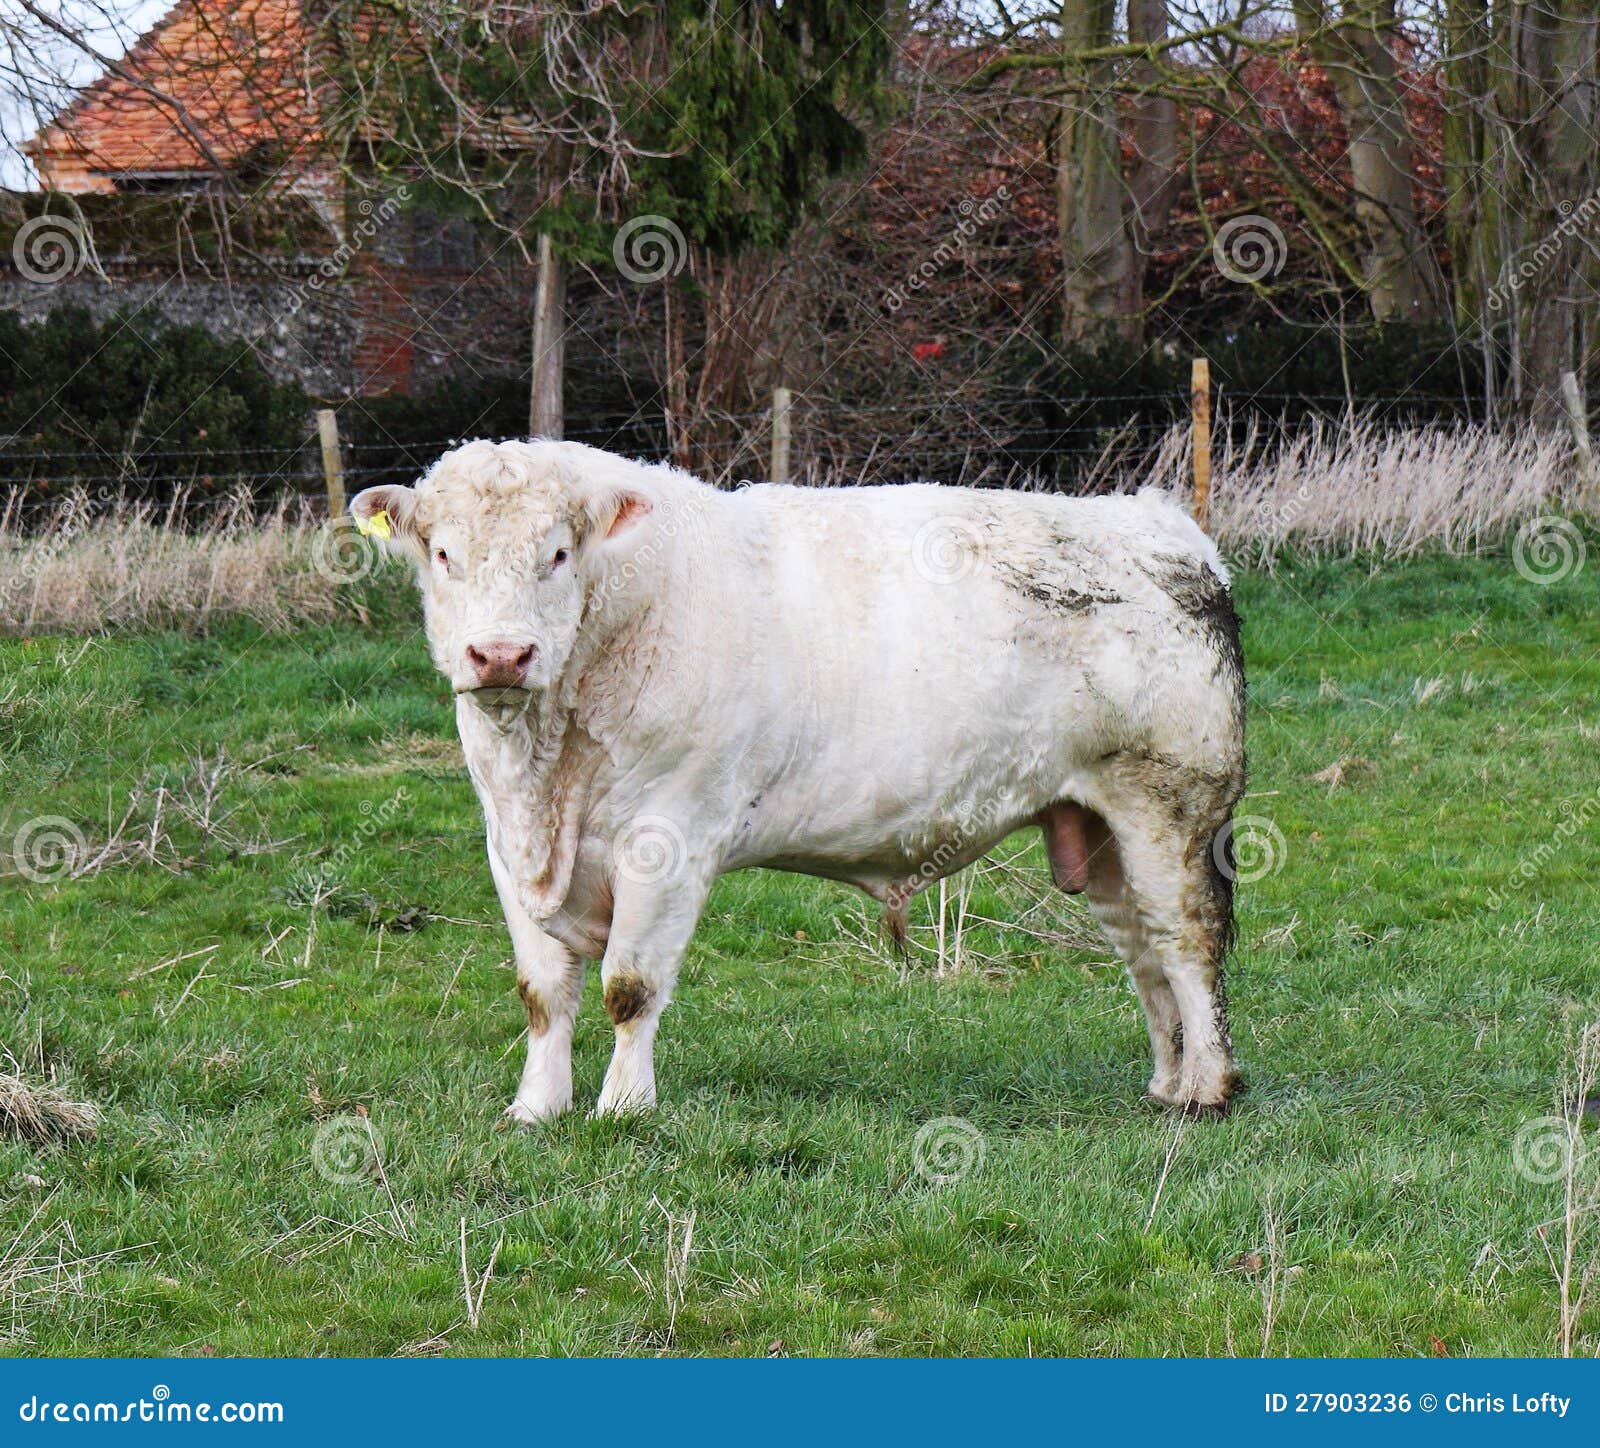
388	512
613	514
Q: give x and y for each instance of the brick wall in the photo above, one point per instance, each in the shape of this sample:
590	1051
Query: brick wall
379	327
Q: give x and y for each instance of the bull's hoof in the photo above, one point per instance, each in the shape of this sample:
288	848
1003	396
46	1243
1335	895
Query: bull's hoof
1200	1105
1164	1091
623	1106
1195	1109
522	1113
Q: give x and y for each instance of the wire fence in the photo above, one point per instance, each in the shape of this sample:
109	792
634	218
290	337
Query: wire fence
998	438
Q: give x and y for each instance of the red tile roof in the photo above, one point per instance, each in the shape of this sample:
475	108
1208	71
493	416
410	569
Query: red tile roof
214	83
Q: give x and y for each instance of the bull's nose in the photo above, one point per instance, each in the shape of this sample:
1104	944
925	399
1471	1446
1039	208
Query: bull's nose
500	665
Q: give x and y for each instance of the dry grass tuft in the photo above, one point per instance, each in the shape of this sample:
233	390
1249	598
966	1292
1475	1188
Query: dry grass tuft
41	1113
1570	1242
948	932
82	569
1357	487
169	819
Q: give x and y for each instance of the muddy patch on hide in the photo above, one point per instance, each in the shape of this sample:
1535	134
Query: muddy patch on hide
1058	590
1205	600
627	997
533	1004
1221	872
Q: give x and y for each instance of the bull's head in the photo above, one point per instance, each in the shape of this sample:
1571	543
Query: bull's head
511	542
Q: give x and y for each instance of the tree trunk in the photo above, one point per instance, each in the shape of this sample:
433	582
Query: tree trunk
1568	147
1153	186
1469	196
1547	95
1356	51
546	414
1472	201
1095	249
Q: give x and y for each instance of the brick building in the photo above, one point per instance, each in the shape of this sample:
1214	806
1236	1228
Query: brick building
220	101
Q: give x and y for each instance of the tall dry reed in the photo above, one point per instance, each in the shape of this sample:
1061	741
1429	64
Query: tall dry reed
1358	487
85	567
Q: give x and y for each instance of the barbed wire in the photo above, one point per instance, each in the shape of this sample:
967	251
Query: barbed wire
1005	431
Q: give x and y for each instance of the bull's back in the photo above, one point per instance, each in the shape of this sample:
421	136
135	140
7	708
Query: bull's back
938	591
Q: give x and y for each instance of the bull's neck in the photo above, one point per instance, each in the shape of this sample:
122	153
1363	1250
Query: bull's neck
531	770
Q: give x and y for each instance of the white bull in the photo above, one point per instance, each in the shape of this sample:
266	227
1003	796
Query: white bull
657	682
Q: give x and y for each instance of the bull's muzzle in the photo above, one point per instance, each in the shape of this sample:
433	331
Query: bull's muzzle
500	664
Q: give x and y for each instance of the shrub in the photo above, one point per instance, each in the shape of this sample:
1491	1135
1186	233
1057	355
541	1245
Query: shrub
132	407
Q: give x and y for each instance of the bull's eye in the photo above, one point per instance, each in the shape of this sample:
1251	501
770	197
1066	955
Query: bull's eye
559	559
441	557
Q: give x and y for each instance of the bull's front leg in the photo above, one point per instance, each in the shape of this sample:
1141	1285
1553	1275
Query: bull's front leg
650	929
550	982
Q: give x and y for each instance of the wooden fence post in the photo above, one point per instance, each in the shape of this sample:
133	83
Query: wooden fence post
780	435
1200	437
332	460
546	410
1572	400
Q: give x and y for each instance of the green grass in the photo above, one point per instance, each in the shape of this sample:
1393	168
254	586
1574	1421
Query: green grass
1400	1010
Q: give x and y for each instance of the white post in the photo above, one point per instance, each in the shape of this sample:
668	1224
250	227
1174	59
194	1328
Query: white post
1572	400
332	460
780	435
546	414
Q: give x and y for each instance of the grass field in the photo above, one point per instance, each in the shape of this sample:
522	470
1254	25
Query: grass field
231	979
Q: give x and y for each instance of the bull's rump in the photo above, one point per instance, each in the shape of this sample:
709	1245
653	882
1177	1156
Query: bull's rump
951	661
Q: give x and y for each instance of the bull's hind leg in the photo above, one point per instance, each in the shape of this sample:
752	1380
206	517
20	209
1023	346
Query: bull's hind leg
1175	917
1114	905
1181	886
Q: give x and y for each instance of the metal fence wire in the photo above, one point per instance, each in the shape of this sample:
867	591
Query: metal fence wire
996	439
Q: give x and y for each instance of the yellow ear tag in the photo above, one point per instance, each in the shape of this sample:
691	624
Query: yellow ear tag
377	526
